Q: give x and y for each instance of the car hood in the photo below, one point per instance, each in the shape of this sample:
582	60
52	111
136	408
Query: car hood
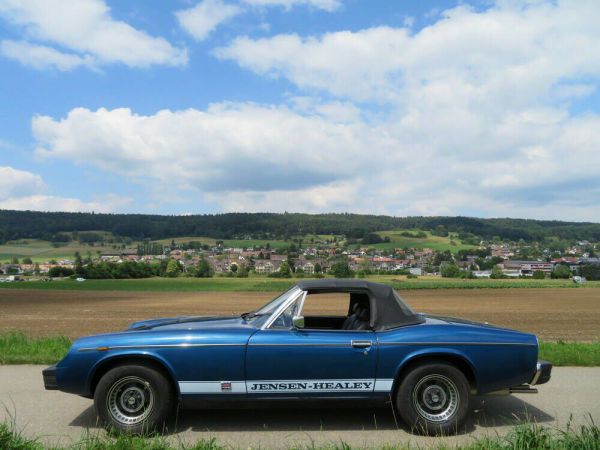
173	330
189	322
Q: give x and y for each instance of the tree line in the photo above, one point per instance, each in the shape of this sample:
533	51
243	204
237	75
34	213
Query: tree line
44	225
130	269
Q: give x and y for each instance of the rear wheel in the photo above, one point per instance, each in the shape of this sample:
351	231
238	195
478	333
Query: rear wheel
134	399
434	399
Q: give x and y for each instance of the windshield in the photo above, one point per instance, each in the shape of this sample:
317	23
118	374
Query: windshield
270	307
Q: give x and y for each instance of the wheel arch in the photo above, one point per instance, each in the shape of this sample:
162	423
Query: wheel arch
144	359
457	359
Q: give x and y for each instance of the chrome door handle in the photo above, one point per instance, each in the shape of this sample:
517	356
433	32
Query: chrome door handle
361	344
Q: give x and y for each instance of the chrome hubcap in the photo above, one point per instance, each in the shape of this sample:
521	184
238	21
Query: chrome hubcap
130	400
435	398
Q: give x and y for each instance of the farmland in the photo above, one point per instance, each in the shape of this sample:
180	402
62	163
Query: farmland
553	314
233	243
438	243
42	251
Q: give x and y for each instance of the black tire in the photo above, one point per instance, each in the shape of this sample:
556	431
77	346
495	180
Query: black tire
433	399
134	399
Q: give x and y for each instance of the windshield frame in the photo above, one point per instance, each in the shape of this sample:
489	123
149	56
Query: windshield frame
273	304
266	313
293	295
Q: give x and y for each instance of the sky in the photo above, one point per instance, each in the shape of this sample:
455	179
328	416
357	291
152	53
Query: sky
399	107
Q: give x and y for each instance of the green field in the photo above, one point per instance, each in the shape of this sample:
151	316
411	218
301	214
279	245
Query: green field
43	251
184	239
451	243
241	243
265	284
248	243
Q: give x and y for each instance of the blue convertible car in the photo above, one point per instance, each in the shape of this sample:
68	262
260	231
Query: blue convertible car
321	340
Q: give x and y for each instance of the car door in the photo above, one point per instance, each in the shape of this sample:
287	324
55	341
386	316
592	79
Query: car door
284	361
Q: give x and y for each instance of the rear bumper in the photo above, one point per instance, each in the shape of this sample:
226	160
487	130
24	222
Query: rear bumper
49	375
542	374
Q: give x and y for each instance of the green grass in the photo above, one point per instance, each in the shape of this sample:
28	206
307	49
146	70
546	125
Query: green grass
43	251
17	348
265	284
401	283
439	243
537	437
185	239
522	437
247	243
571	353
235	243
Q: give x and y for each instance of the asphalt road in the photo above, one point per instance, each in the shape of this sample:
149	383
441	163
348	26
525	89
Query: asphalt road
54	417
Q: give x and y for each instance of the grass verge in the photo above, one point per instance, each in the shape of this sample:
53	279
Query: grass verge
571	353
17	348
526	437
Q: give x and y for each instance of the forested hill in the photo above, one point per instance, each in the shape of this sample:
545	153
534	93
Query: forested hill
31	224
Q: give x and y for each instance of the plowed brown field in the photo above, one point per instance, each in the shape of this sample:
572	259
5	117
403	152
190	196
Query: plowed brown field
552	314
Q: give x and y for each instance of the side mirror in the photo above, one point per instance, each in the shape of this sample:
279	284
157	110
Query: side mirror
298	321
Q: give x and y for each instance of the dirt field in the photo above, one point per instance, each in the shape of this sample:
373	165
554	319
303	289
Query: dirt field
569	314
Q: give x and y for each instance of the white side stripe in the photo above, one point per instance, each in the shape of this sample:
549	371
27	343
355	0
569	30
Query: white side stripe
352	385
212	387
283	386
384	384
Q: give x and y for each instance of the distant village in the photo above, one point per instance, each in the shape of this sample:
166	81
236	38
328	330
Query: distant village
317	258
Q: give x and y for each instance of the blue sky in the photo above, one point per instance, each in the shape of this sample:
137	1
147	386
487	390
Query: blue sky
391	107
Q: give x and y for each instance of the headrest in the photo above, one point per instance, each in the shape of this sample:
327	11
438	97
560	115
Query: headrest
363	314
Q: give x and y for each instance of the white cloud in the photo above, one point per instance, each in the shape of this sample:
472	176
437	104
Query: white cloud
40	56
357	65
51	203
336	196
513	51
22	190
86	29
206	16
305	158
327	5
265	147
202	19
14	182
471	115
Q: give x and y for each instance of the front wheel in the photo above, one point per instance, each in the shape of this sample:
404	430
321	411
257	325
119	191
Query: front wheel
134	399
434	399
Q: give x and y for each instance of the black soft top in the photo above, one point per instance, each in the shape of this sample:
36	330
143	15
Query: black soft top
388	310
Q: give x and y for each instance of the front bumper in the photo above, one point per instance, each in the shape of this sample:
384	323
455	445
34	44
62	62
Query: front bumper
49	375
542	374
